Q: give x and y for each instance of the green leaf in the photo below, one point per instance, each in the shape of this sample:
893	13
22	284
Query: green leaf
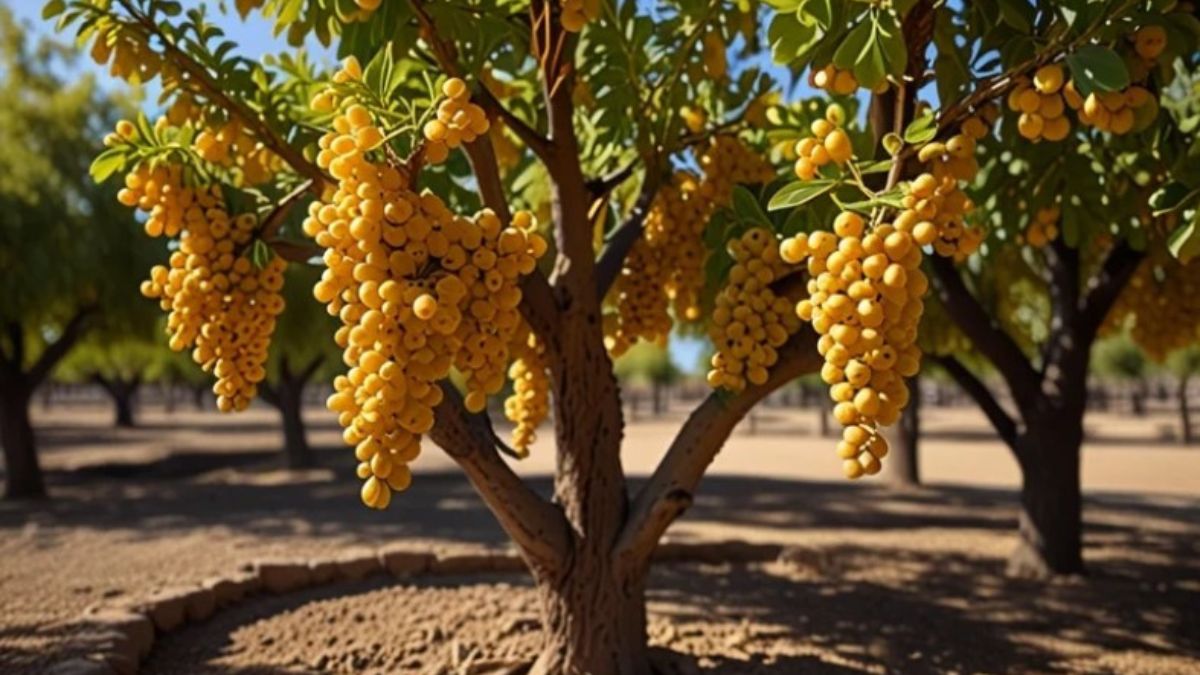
799	192
1017	13
1184	243
871	65
53	9
746	207
1097	68
107	163
921	130
1171	197
260	254
854	44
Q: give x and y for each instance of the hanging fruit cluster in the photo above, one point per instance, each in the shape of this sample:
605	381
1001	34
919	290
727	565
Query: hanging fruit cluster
1043	229
219	303
1041	105
1160	305
458	121
750	321
529	404
419	289
864	300
935	206
829	143
664	270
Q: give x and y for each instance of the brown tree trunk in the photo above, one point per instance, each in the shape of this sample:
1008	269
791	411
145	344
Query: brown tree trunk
23	473
905	470
295	439
593	622
1185	415
287	395
657	394
1050	523
122	392
823	418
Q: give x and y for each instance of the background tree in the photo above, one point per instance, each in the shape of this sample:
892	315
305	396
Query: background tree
646	226
648	365
1184	363
68	254
119	366
296	359
1120	359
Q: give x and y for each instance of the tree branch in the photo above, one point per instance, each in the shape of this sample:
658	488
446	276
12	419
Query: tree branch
15	359
532	138
1005	425
988	338
310	368
669	491
55	351
602	185
537	526
1106	286
621	241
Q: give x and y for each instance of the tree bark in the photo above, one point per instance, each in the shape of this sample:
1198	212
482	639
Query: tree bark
1050	523
657	393
594	622
1185	415
905	470
23	473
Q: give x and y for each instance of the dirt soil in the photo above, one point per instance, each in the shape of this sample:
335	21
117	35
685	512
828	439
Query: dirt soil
888	580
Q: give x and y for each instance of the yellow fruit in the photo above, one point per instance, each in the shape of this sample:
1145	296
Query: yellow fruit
1048	79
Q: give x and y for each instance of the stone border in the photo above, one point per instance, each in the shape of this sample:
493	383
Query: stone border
115	639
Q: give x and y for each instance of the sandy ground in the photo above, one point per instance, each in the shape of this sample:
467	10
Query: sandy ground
903	578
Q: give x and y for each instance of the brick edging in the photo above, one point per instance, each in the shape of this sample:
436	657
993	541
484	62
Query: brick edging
116	639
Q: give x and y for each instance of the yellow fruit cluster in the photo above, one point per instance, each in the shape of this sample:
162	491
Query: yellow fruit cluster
829	143
1161	305
530	401
750	321
233	147
832	80
419	289
935	207
664	270
217	301
458	121
1117	112
126	53
1044	227
1041	105
864	300
577	13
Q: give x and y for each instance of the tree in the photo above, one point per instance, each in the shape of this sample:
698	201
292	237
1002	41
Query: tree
648	364
1120	358
295	360
639	236
66	252
1185	363
118	365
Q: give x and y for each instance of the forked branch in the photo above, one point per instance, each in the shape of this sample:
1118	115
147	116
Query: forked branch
537	526
669	491
1004	424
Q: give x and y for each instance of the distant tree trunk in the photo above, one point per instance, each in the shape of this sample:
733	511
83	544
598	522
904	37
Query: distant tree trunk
23	473
198	392
47	394
168	391
823	418
905	471
657	399
1137	398
287	395
1185	415
122	391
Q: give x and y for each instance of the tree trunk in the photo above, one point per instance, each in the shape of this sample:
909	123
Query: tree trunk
122	392
1137	398
823	418
1050	524
593	623
23	473
1185	415
905	470
295	438
657	393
